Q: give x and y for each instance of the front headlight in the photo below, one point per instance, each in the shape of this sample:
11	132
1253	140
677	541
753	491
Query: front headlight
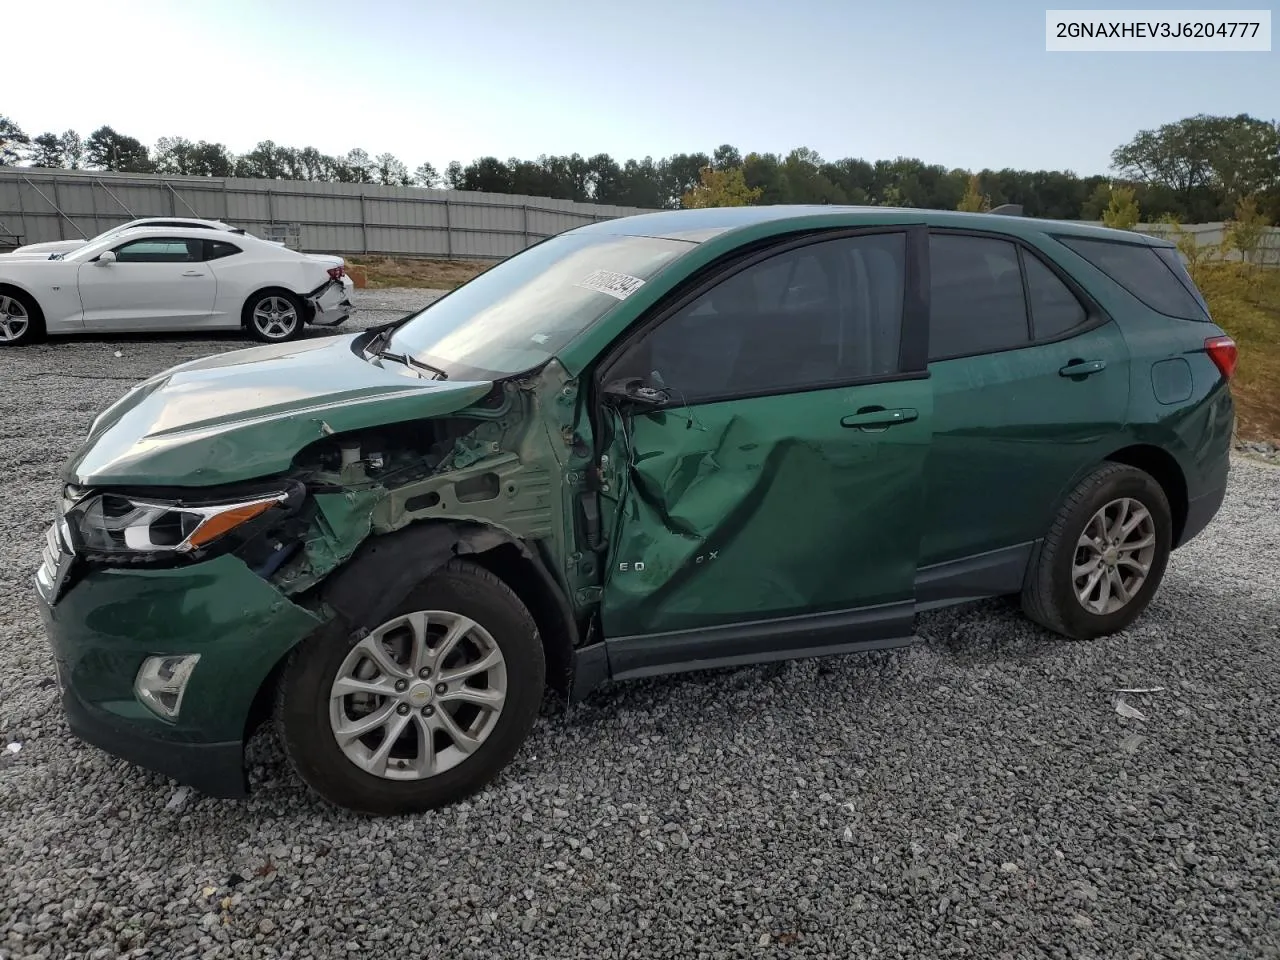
127	528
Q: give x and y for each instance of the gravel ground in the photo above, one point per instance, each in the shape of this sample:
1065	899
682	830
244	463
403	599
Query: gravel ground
975	795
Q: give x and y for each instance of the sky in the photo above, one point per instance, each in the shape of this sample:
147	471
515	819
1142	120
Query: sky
961	84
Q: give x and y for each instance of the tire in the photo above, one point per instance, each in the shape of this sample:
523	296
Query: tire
1050	596
308	726
21	321
286	313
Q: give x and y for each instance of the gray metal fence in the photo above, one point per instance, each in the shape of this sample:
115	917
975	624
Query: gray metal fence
345	218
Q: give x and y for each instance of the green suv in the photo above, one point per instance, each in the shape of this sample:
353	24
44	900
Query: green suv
667	442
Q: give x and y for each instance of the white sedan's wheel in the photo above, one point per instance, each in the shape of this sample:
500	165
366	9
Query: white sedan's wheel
17	324
274	317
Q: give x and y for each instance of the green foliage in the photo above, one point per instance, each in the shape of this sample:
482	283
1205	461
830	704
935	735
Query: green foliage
426	176
181	156
1122	211
46	151
107	150
1246	230
12	139
1205	163
721	188
1246	303
1197	168
974	200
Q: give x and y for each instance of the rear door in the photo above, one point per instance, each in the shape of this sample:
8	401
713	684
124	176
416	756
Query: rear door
771	506
1031	386
155	283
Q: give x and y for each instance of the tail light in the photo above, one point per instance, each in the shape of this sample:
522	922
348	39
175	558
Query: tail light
1222	351
336	273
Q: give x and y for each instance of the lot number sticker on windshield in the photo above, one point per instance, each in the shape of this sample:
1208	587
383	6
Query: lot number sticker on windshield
617	285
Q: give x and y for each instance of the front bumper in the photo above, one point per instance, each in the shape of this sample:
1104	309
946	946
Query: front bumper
108	621
216	768
331	304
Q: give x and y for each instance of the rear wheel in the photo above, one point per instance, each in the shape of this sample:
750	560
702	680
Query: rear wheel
274	316
420	710
20	320
1104	557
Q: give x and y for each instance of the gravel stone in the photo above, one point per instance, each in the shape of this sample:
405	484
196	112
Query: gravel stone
974	795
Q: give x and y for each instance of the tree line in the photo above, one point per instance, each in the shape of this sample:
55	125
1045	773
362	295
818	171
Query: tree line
1194	170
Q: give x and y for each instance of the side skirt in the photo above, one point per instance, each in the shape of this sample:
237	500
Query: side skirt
991	574
741	644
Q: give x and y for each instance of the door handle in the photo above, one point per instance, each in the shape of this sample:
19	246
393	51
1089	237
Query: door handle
1082	368
193	273
878	417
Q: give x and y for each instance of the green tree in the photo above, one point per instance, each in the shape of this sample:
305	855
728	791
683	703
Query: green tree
426	176
179	155
108	150
12	139
1245	231
46	151
358	167
720	188
72	149
725	156
1122	211
391	171
974	200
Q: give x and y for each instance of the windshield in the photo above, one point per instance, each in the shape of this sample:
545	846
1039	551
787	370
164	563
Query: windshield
519	313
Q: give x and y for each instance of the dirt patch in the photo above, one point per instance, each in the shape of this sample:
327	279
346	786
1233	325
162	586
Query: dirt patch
408	272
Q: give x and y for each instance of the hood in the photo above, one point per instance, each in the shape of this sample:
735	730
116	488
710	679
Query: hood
243	415
51	246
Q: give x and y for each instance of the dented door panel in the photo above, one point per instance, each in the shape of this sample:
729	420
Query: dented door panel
765	507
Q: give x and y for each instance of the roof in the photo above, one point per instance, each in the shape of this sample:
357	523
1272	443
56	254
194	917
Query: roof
698	225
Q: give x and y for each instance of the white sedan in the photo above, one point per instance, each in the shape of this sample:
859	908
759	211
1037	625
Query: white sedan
164	279
66	246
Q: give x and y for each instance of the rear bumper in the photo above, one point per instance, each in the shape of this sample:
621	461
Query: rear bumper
330	305
1200	513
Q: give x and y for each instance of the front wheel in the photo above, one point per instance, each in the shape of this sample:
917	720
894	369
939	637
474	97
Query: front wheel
20	321
421	710
1103	559
273	316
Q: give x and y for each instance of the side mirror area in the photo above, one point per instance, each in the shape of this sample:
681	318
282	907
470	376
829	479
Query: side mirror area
635	393
106	258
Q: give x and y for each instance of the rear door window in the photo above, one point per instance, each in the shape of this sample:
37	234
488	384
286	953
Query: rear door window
1144	273
976	299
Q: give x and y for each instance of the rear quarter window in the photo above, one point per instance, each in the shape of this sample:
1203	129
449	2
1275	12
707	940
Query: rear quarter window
1144	273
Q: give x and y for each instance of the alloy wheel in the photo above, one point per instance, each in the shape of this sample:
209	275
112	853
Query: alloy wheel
418	695
275	317
1113	556
14	320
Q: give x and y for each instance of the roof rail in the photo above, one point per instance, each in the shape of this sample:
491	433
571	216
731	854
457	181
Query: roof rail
1008	210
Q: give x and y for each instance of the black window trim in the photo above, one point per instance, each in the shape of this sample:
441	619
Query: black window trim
1095	315
913	339
1153	247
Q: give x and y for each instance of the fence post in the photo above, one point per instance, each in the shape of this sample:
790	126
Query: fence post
524	208
57	205
448	231
364	224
